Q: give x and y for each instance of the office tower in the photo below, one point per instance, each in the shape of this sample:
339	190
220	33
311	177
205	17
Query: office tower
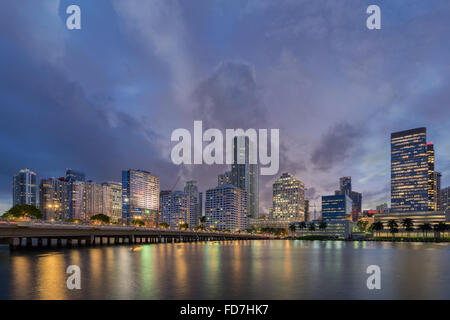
336	208
94	199
76	190
345	187
112	200
176	208
288	199
226	208
409	171
195	211
140	196
244	174
24	188
445	199
53	199
225	178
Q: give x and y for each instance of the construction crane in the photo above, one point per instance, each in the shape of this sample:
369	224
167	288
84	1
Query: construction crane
175	184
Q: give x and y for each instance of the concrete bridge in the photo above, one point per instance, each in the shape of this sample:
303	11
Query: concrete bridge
47	235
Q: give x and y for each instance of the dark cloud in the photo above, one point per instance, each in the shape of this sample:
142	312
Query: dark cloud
335	146
229	98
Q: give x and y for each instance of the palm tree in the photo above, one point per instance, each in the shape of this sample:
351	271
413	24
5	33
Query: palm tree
323	225
312	226
292	227
393	227
377	227
440	227
408	224
425	228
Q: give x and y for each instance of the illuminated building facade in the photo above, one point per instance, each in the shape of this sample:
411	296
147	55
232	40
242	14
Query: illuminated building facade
226	208
140	196
175	208
112	200
196	203
53	199
288	200
336	207
25	188
409	171
94	199
76	193
244	174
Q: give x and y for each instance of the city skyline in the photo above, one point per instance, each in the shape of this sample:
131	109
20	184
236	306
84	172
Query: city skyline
71	103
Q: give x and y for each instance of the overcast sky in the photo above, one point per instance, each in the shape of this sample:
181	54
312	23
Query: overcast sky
107	97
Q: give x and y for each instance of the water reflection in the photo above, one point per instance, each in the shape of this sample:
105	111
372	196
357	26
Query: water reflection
231	270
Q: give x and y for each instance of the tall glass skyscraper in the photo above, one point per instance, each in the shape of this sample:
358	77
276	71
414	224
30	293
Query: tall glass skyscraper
345	187
176	208
288	202
245	175
24	188
409	171
140	197
112	200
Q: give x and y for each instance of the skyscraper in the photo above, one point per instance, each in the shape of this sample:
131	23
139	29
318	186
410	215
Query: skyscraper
76	193
226	208
345	187
140	196
53	199
409	171
24	188
244	174
196	203
288	199
112	200
94	199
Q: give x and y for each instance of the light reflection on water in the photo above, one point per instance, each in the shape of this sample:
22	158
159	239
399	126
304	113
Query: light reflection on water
231	270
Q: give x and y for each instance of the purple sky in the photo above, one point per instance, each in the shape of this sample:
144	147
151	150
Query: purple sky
107	97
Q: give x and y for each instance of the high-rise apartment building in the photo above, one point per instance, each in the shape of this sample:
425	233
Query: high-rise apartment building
140	196
288	199
226	208
76	193
244	174
196	203
53	199
94	199
176	208
409	171
25	188
112	200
